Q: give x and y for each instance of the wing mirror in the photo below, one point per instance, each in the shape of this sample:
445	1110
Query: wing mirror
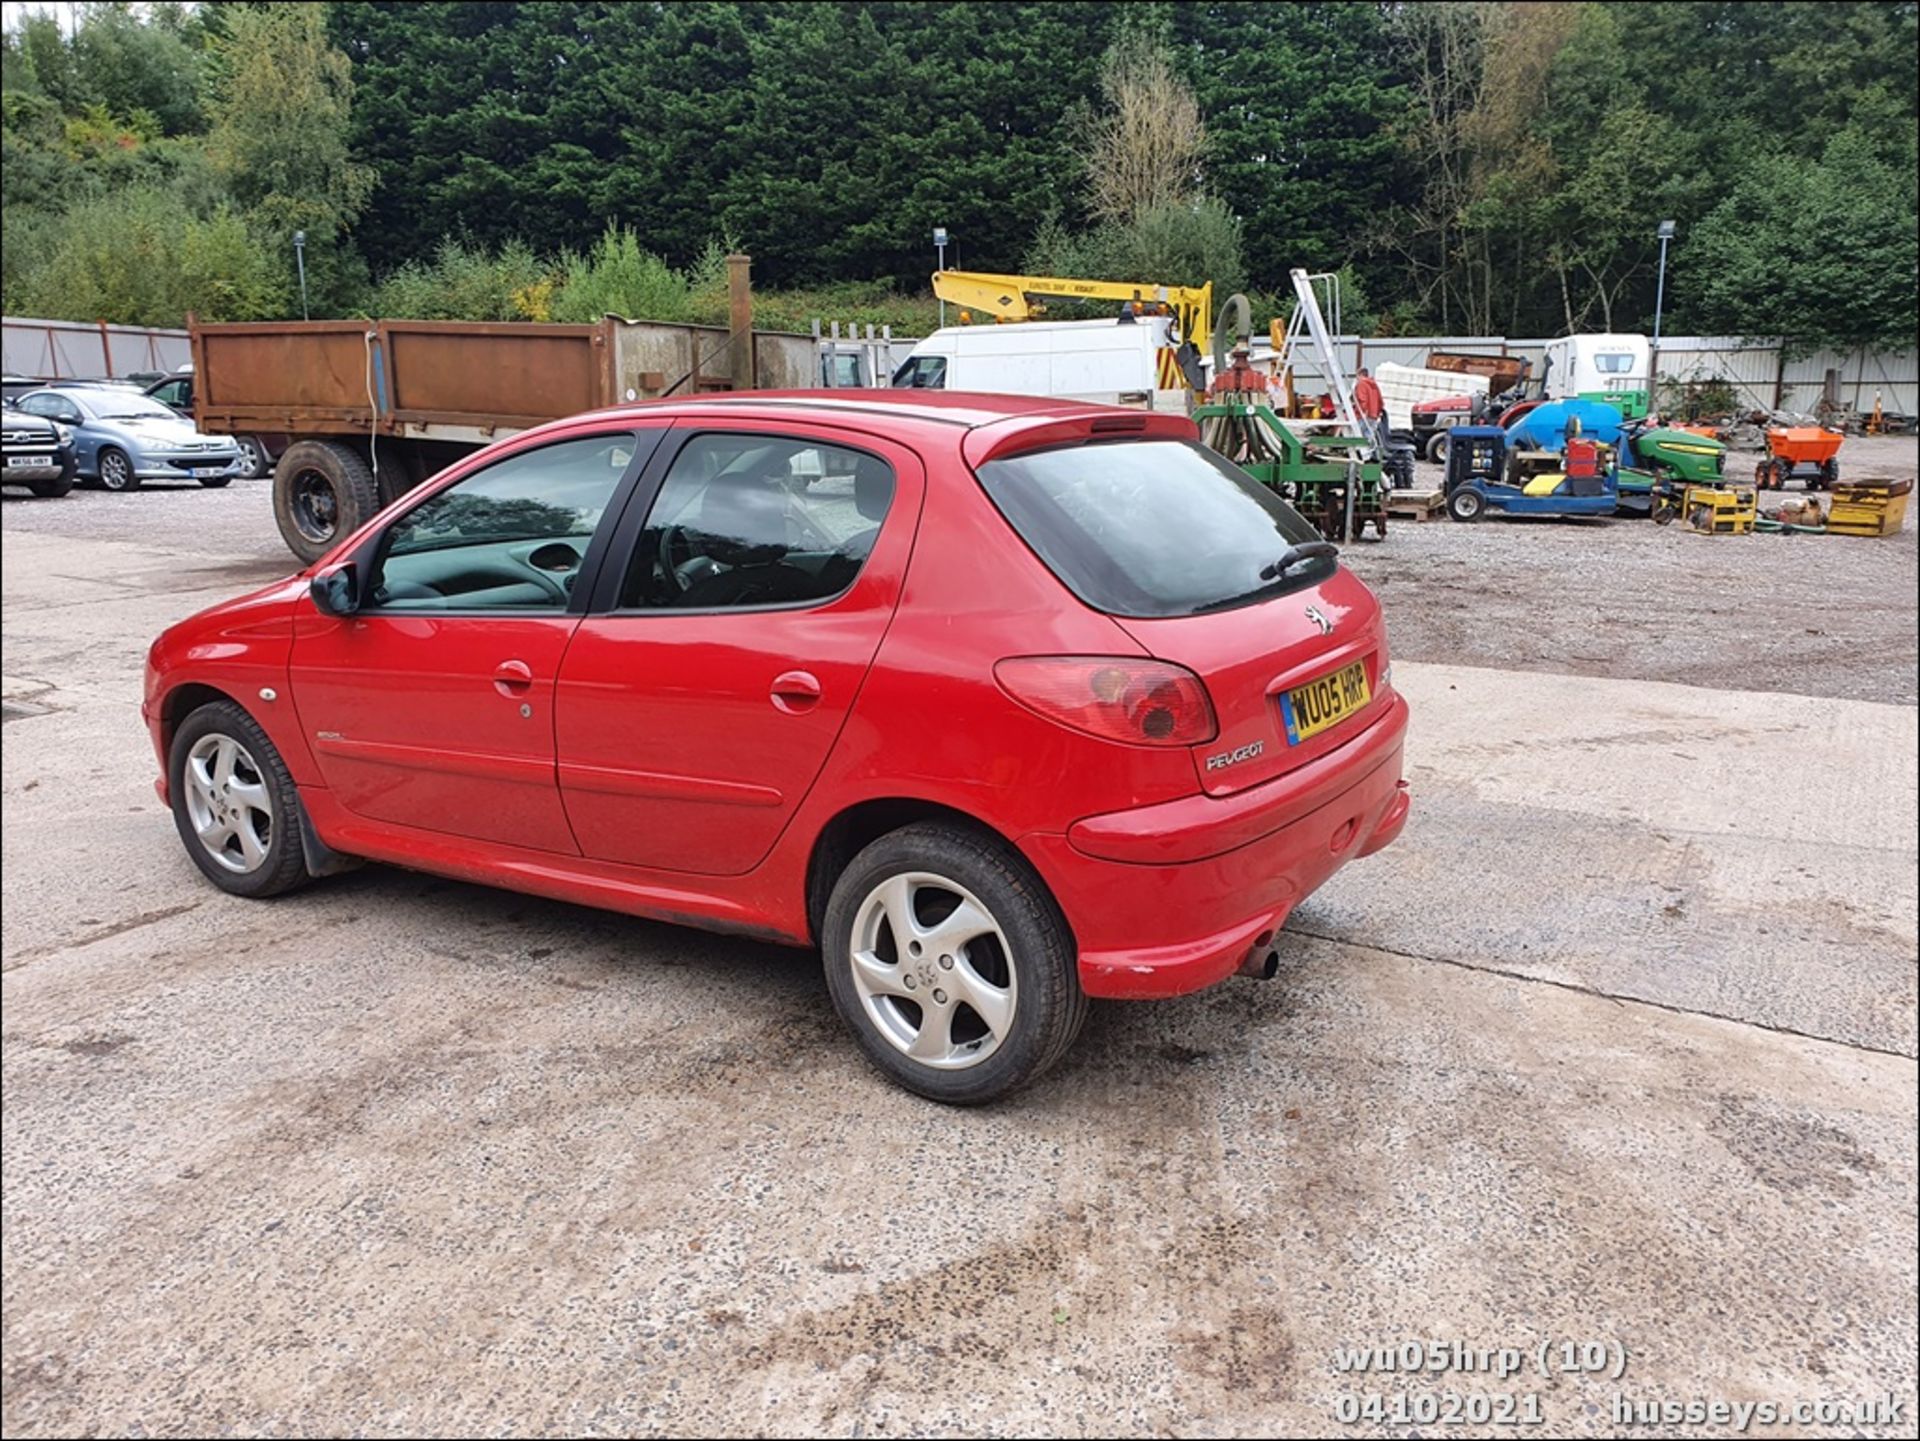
337	592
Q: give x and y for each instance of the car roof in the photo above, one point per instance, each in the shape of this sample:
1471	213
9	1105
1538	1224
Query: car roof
976	423
938	407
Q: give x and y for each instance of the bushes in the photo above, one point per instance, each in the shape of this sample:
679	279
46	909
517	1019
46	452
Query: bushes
617	277
462	282
141	257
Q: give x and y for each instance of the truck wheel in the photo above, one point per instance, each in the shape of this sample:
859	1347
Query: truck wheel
1829	474
322	491
1437	447
1467	504
116	471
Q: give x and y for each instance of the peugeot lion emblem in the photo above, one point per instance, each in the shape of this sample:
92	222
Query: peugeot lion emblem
1318	617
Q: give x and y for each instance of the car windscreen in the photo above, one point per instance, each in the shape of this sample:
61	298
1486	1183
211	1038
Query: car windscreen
1153	528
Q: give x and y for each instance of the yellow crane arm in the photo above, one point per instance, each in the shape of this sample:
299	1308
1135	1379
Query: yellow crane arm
1023	297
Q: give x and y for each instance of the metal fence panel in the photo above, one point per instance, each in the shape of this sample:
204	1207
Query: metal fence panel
72	350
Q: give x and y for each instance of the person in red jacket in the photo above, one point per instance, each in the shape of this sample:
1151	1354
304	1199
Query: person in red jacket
1371	407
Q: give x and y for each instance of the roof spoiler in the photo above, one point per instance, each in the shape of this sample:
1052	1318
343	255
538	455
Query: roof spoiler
1019	434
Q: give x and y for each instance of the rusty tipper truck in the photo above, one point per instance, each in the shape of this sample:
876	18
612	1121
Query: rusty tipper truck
373	407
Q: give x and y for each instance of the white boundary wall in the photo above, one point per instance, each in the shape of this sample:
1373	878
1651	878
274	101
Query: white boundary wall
1760	375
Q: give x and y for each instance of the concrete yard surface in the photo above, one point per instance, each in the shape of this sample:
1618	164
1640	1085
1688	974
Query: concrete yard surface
1616	1045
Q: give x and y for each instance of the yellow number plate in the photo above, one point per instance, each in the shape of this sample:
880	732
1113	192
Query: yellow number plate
1311	708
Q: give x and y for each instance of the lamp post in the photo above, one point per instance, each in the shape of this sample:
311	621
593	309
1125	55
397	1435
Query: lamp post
1665	232
940	249
300	262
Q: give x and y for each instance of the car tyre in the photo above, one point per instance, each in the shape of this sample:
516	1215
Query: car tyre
116	470
1466	504
322	491
911	1004
235	804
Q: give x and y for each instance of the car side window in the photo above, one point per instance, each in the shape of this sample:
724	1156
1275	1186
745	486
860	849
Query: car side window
510	537
757	520
53	407
174	393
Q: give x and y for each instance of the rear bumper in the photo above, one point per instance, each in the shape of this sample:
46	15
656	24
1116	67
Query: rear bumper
1195	898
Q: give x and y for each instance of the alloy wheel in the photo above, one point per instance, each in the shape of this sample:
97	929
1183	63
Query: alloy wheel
116	471
933	970
227	802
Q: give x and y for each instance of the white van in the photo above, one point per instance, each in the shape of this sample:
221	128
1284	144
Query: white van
1617	369
1100	360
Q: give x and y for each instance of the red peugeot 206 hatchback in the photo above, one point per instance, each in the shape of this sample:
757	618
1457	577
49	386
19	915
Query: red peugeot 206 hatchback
1002	703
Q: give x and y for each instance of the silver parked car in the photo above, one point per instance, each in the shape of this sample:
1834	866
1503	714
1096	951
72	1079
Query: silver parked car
122	437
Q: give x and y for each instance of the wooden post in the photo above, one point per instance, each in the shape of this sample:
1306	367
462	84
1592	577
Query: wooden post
106	347
740	320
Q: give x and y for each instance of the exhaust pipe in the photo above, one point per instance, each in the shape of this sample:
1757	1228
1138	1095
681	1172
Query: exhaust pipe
1262	966
1262	962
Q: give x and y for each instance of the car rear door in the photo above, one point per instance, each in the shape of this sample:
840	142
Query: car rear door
758	568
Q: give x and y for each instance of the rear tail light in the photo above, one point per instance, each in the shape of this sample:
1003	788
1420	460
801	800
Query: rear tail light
1117	698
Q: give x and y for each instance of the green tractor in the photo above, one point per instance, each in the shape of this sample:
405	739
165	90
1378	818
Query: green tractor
1658	463
1319	475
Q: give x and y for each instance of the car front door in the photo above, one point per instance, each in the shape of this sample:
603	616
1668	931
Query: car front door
760	567
52	405
432	704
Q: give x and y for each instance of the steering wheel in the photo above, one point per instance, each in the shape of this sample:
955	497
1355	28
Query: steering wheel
682	568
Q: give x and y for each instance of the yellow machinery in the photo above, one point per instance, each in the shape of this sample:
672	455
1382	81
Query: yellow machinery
1868	507
1719	510
1024	297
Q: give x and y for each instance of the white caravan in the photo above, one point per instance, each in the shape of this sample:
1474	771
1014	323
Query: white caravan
1617	367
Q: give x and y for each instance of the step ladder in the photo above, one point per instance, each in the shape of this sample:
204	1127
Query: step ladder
1308	323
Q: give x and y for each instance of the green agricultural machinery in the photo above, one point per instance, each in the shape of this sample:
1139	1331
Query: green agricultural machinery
1321	476
1659	463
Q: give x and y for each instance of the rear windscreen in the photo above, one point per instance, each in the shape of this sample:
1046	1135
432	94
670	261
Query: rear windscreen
1151	528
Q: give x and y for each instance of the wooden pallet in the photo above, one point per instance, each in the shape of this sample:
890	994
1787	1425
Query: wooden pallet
1415	504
